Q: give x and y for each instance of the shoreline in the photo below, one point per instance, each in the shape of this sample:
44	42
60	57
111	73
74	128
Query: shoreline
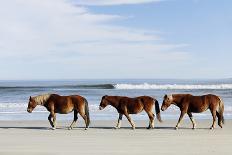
36	137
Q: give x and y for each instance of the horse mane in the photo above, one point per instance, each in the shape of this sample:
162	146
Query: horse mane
41	99
170	96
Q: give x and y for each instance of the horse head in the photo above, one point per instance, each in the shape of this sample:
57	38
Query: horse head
167	101
31	104
103	103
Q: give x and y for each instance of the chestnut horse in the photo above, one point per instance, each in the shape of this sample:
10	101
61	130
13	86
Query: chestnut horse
126	106
196	104
61	104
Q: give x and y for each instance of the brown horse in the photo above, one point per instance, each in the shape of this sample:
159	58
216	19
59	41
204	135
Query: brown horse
126	106
196	104
63	105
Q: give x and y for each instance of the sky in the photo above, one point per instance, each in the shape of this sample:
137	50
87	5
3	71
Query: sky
115	39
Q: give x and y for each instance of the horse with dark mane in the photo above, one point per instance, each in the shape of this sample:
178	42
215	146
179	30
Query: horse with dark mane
196	104
126	106
61	104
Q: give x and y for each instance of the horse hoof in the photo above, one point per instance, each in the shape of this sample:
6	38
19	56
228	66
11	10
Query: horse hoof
116	127
150	127
176	128
211	128
70	128
53	128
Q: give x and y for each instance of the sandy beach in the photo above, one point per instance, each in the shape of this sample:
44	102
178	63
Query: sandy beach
28	137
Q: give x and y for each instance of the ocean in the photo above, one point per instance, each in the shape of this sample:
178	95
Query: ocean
14	95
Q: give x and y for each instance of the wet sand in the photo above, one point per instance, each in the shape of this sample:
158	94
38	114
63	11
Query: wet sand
29	138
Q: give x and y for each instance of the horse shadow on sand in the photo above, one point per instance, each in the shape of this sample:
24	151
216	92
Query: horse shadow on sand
99	128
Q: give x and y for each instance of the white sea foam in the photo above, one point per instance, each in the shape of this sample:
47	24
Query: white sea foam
108	113
13	105
172	86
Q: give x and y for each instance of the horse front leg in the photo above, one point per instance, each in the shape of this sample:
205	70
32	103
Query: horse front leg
129	119
52	117
118	126
54	121
180	119
192	120
50	120
74	120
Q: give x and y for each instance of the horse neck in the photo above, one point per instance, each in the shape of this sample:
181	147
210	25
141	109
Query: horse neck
41	100
177	99
41	103
113	101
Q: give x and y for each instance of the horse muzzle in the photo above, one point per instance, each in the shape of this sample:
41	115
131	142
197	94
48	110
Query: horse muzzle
29	110
163	108
100	108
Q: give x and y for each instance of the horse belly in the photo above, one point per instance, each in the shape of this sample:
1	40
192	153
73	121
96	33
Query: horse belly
198	108
65	109
135	109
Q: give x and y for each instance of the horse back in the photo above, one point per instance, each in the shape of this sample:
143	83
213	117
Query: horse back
201	103
137	104
65	104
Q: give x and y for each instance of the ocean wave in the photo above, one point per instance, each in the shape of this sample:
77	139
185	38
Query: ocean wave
123	86
93	86
172	86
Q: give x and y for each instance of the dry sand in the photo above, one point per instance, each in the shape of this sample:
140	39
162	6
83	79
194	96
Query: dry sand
29	138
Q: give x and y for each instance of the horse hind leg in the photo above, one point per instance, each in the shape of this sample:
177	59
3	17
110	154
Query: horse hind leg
151	116
151	120
74	120
214	118
220	117
85	119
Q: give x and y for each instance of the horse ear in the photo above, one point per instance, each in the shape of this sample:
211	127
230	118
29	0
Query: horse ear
104	96
165	96
30	98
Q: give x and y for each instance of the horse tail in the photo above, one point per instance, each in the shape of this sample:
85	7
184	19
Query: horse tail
157	110
221	110
87	112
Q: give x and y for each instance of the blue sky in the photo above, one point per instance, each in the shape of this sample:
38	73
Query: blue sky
78	39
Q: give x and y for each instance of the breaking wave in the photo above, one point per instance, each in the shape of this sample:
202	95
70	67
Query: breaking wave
122	86
172	86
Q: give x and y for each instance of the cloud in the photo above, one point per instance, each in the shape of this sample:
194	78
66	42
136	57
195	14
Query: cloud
112	2
57	34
